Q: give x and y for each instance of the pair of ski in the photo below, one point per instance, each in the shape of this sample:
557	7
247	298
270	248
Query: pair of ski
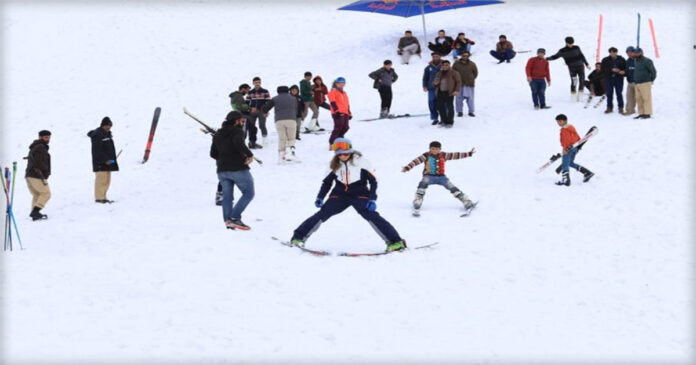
346	254
467	211
590	133
599	102
395	117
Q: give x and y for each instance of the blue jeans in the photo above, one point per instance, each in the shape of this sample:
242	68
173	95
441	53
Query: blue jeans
245	183
538	88
432	103
442	180
611	85
507	55
569	160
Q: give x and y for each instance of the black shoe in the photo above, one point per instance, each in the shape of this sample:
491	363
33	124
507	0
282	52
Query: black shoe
435	122
297	137
587	174
565	180
36	214
642	116
237	224
254	145
460	114
448	125
508	61
103	201
501	61
472	114
545	107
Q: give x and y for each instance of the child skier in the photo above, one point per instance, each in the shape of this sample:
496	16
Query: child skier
434	173
569	136
351	174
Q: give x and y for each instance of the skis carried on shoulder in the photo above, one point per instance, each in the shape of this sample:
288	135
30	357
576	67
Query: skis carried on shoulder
579	144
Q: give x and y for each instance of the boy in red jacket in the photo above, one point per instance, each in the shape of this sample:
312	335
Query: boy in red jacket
538	70
569	136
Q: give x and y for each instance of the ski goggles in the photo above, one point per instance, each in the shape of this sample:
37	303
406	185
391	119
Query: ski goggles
342	147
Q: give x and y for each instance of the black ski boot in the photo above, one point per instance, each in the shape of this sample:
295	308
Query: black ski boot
36	214
565	180
587	174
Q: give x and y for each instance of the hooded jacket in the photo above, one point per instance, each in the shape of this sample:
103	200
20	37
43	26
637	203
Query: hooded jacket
38	161
103	150
228	148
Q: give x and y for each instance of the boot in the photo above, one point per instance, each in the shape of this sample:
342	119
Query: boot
36	214
565	180
383	113
621	111
587	174
417	202
609	110
396	246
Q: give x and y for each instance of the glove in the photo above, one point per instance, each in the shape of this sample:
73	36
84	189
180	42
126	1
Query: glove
371	205
319	203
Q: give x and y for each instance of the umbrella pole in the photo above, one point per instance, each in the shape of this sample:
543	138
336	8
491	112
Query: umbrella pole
425	35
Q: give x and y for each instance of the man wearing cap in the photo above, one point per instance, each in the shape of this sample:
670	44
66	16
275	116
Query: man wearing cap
630	83
644	75
574	59
538	76
103	159
232	159
340	109
37	173
614	69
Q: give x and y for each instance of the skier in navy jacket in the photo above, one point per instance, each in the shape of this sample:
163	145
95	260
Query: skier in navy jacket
354	185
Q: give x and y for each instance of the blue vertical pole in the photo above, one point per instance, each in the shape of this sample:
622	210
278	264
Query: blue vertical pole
638	36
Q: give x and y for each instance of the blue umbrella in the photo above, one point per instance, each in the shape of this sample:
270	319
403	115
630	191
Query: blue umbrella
407	8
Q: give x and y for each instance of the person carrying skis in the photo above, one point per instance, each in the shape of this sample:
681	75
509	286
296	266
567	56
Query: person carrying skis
568	137
429	73
538	76
354	184
575	60
285	121
37	173
384	77
614	69
103	159
340	109
503	51
434	173
233	159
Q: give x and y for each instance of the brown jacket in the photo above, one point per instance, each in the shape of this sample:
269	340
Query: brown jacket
405	42
467	70
503	46
454	81
38	161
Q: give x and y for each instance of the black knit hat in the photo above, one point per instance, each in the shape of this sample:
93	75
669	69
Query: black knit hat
435	144
282	89
44	133
106	121
233	116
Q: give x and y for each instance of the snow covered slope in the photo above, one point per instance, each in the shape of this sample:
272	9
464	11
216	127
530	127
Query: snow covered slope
595	272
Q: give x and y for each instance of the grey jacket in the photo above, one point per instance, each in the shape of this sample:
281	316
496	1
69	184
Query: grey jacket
285	107
387	77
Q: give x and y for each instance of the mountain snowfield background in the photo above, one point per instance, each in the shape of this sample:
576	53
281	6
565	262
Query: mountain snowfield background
601	272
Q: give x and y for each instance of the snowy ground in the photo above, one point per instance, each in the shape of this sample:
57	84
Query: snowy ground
598	272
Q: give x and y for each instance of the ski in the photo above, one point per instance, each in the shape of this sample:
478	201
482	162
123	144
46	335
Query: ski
467	212
321	131
579	144
395	117
210	130
153	127
363	254
599	102
313	252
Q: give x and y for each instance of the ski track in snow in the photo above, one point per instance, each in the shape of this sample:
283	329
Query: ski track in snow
594	272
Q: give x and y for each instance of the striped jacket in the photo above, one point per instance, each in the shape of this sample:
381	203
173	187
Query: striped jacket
435	164
257	98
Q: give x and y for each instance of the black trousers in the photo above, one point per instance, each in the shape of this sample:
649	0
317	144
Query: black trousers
578	71
385	93
445	106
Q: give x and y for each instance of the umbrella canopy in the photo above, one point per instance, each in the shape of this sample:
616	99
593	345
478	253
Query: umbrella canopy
407	8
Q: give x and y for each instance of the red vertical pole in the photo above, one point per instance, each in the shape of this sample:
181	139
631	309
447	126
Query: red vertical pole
652	31
599	36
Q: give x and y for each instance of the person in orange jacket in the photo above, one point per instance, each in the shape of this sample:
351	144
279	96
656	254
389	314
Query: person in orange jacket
340	109
569	136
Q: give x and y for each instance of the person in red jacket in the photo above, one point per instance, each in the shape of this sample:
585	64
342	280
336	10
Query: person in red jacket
340	109
569	136
538	76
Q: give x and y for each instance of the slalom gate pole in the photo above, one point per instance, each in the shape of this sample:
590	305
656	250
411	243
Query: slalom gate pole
638	33
12	218
652	31
599	36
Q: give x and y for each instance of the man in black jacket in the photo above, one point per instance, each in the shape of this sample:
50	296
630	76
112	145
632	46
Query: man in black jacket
37	173
575	60
233	159
103	159
443	43
614	69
